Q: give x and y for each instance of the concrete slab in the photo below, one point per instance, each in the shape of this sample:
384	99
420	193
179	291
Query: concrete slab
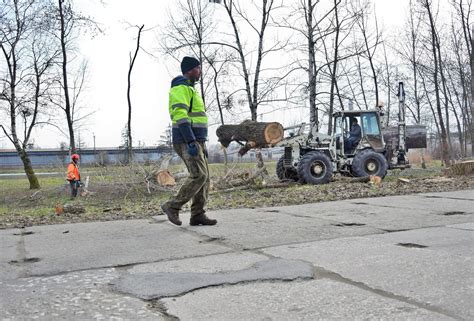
433	276
300	300
72	296
73	247
251	229
438	205
158	285
442	239
466	194
375	216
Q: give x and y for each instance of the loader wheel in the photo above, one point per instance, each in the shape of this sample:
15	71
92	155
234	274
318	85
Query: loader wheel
315	168
286	173
368	162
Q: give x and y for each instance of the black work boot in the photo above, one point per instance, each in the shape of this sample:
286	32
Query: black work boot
201	219
173	215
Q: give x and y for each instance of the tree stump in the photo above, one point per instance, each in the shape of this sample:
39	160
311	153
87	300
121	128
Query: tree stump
164	178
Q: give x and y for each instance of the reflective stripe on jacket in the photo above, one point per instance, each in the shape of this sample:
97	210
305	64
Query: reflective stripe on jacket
73	172
187	112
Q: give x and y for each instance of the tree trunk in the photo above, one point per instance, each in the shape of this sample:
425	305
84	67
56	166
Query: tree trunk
361	78
129	101
256	133
30	173
370	55
67	107
313	109
434	38
460	133
334	68
387	119
472	96
240	50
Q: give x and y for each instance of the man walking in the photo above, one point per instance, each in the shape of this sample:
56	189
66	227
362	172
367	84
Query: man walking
188	115
73	175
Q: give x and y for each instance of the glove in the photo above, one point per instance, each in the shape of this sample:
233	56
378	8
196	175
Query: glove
193	149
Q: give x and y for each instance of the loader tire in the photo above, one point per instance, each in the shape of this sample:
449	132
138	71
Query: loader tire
315	168
368	162
286	173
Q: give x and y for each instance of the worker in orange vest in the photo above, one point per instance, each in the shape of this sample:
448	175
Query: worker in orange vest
73	175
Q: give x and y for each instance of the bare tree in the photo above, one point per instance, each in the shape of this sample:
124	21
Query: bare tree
70	23
472	95
463	10
411	50
370	40
413	57
166	139
27	60
129	99
313	23
342	23
66	23
388	85
188	31
437	74
191	31
309	9
255	95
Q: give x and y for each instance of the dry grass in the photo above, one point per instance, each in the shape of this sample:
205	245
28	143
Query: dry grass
121	192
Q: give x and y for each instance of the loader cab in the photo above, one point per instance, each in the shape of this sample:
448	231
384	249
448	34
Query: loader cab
370	137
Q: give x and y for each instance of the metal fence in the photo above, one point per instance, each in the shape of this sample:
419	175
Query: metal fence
99	156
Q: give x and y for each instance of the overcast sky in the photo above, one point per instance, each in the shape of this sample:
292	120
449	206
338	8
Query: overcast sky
108	56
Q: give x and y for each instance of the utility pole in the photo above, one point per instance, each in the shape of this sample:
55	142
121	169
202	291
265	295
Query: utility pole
93	135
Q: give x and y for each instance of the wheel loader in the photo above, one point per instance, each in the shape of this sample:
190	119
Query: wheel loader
312	157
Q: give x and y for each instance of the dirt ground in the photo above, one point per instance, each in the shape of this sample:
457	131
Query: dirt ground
124	200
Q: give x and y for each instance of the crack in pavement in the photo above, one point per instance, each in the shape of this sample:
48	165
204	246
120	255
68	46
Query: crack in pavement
150	286
121	266
459	228
449	198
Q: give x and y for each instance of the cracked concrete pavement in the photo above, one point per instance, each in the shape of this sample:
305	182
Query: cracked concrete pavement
400	257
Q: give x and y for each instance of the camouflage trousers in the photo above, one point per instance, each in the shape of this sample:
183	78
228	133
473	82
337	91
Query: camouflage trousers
196	186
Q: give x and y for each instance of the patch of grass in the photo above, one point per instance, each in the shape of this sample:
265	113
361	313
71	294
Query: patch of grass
120	193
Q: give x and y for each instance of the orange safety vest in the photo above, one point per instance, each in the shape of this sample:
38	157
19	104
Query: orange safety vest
73	172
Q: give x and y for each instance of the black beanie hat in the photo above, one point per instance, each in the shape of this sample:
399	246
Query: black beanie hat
189	63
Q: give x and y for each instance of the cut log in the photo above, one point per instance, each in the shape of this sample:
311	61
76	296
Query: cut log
73	208
415	136
375	180
258	134
164	178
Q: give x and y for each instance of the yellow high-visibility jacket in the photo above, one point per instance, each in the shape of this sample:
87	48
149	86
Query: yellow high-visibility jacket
187	112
